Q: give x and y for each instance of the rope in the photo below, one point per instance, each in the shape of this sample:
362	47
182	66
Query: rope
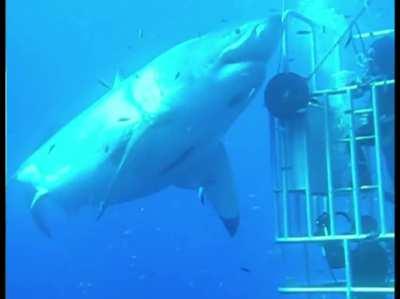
340	39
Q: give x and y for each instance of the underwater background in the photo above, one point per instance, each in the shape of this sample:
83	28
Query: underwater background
167	245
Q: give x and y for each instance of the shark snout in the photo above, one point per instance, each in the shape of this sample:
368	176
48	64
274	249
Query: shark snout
255	41
267	30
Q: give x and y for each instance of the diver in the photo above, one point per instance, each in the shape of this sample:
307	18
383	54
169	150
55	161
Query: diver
379	66
332	250
369	260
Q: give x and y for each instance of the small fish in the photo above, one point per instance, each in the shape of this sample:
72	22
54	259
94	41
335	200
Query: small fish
106	149
123	119
200	194
51	148
142	276
245	269
237	31
140	33
274	10
303	32
127	232
323	29
102	83
224	20
301	110
177	75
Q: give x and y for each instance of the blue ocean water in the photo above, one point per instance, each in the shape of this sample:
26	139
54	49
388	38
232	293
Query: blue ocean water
167	245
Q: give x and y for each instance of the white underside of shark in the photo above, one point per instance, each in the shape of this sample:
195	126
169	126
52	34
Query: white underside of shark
160	127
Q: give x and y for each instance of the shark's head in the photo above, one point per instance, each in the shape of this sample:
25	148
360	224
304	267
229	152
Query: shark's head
252	42
236	58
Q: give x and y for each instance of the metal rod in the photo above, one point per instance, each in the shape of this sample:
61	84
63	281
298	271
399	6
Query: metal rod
283	172
274	162
382	218
338	41
344	89
6	131
347	268
287	15
329	167
360	111
373	33
313	41
336	289
308	191
354	169
318	239
339	189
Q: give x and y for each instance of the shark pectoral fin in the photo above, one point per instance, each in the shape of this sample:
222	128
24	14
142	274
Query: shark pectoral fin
221	193
39	220
37	213
207	170
219	189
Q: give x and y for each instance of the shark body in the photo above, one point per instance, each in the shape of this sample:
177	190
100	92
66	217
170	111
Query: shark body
159	127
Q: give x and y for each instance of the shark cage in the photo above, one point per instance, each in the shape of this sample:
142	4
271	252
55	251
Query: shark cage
332	150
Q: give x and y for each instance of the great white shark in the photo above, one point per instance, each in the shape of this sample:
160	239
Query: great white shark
162	126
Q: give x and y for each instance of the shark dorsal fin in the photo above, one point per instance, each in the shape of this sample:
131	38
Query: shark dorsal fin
117	80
